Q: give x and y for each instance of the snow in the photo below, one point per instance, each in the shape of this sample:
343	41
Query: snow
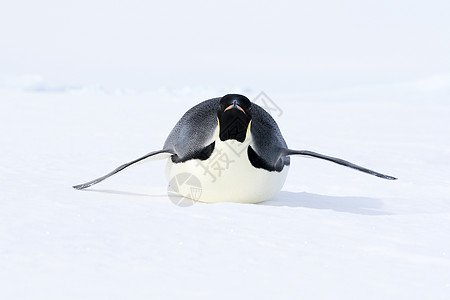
331	232
369	83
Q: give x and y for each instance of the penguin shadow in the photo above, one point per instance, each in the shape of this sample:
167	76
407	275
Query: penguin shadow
125	193
348	204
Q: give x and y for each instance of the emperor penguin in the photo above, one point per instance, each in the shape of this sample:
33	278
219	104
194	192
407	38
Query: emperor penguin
231	149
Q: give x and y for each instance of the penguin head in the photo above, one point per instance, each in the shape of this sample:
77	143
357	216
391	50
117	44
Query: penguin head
234	117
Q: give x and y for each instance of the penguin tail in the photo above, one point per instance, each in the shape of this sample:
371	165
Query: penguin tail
337	161
155	155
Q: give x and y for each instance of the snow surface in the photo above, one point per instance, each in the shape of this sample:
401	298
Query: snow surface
331	232
88	85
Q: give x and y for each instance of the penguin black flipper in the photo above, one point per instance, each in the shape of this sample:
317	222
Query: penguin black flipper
339	161
159	154
192	137
271	152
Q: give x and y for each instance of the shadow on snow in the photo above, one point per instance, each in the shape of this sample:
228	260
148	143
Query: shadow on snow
348	204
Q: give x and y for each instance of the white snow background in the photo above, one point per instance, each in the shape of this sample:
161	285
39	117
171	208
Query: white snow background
88	85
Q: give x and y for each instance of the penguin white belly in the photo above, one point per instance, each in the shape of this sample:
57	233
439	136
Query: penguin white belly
227	176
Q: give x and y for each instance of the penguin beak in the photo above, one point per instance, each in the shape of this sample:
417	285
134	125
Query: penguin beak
234	105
